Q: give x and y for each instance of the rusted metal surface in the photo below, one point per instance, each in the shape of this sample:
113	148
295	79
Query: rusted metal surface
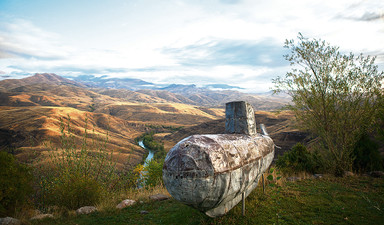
239	118
210	172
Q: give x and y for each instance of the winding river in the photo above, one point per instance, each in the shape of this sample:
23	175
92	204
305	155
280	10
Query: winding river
149	158
150	155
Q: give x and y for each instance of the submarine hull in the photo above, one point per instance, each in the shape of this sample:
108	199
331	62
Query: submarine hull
210	172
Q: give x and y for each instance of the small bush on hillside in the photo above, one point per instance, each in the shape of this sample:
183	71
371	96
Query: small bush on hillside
299	159
366	155
75	176
154	175
15	184
73	191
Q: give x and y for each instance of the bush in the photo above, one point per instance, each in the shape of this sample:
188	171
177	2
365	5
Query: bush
15	184
366	155
73	191
299	159
154	173
76	176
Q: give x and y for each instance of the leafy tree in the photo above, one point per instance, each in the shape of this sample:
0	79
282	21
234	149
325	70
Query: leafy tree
299	159
335	96
15	184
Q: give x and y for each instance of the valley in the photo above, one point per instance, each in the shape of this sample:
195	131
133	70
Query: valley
32	110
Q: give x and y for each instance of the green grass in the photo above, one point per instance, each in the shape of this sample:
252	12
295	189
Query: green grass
349	200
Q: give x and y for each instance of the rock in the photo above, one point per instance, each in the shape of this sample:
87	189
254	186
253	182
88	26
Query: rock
42	216
37	212
348	174
293	178
158	197
125	203
377	174
9	221
144	212
317	176
86	210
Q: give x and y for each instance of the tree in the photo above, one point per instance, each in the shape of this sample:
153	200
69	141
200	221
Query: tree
334	96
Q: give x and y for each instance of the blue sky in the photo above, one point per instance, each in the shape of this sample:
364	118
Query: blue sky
234	42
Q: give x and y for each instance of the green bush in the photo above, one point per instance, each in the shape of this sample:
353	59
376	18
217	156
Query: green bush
299	159
73	191
366	155
15	184
76	175
154	173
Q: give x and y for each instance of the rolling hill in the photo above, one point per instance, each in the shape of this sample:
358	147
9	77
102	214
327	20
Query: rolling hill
31	109
34	130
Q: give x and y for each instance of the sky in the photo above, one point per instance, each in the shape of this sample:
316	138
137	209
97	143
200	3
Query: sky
234	42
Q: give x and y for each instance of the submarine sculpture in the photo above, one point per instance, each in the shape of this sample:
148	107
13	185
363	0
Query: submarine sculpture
213	173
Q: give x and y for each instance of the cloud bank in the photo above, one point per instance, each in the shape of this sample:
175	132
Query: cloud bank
233	42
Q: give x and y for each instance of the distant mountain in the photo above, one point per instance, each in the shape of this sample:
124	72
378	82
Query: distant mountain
167	96
222	86
115	83
217	98
38	78
210	95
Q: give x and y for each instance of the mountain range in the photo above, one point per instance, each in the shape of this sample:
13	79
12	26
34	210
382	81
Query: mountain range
210	95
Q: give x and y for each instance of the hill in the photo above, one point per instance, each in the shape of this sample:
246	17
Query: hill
170	114
31	130
211	95
31	108
38	78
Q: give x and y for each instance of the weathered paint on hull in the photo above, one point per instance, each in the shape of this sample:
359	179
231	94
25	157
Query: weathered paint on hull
210	172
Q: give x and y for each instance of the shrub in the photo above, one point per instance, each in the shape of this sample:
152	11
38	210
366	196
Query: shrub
15	184
299	159
74	190
154	173
76	176
366	155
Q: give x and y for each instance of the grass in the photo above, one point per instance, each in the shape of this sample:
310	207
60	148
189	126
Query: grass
348	200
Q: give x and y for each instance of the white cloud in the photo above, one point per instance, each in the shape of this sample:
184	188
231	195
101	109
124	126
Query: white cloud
129	38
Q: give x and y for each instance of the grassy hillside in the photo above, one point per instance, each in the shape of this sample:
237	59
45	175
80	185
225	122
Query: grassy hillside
31	129
349	200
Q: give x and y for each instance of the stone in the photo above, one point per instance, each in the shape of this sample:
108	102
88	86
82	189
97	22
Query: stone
240	118
317	176
125	203
42	216
211	172
144	212
9	221
158	197
348	173
293	178
86	210
377	174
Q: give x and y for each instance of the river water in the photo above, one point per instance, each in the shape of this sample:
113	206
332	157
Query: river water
150	155
149	158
